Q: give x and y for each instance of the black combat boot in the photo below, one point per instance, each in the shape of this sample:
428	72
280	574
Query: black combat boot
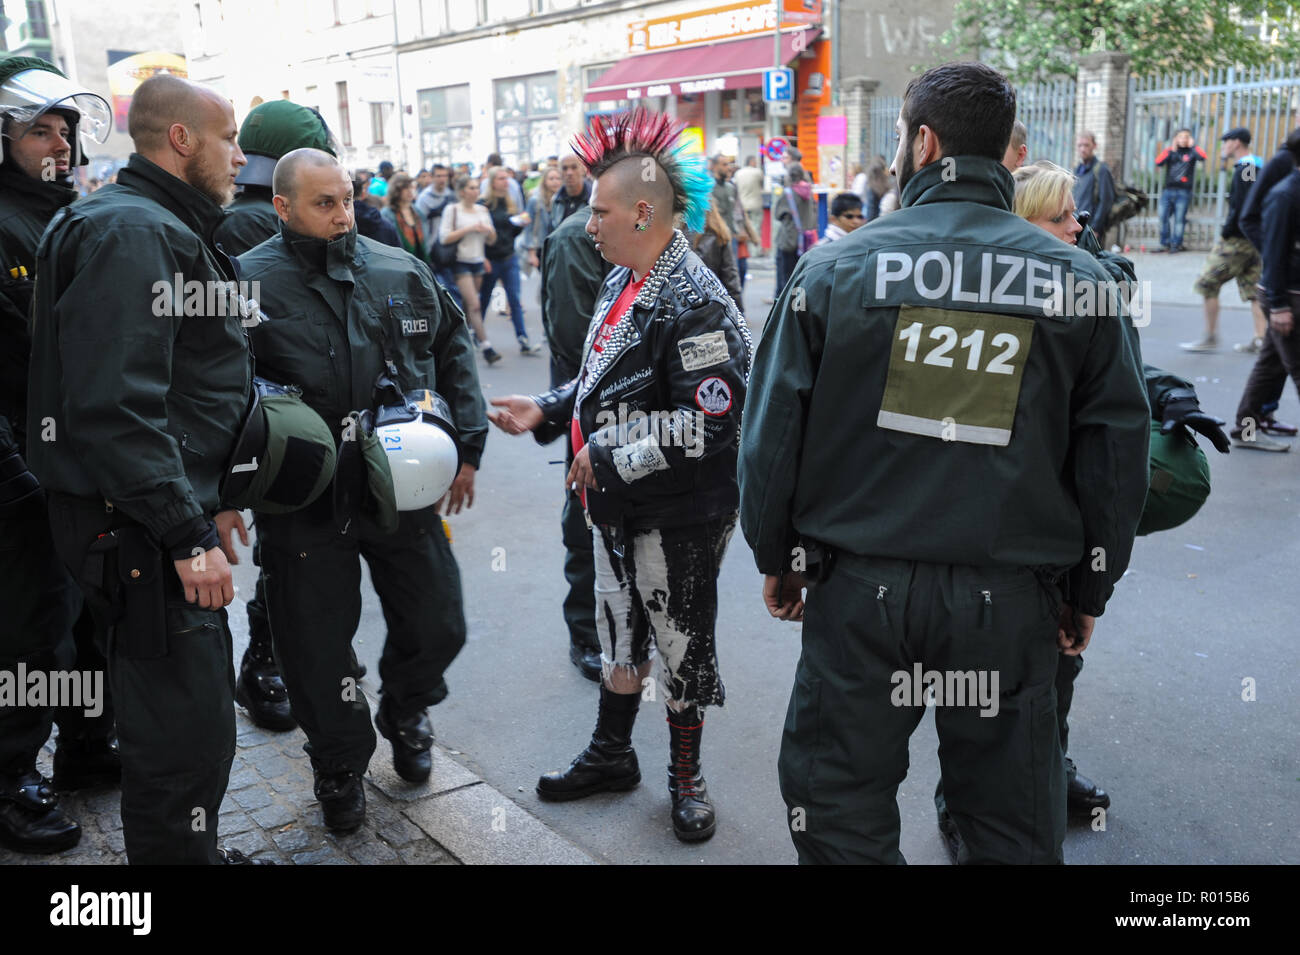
693	816
30	817
412	737
586	659
86	763
608	764
342	799
260	690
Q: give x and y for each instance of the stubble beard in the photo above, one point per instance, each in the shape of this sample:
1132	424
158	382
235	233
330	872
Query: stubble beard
213	183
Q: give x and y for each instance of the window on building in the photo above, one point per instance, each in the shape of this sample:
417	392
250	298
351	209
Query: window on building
527	118
380	113
445	126
38	26
345	114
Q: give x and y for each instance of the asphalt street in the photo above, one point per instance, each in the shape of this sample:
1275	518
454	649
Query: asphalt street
1196	773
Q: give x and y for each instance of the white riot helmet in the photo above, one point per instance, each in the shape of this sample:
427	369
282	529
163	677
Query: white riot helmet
423	452
30	87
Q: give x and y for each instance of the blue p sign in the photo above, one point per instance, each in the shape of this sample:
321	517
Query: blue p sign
778	85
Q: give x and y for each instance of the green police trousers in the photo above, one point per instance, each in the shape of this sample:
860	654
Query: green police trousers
170	676
313	601
874	630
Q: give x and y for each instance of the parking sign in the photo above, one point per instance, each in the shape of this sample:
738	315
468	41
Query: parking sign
778	85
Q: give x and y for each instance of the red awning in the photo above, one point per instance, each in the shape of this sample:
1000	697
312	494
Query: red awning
735	64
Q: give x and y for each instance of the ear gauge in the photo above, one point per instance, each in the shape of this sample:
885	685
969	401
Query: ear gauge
650	217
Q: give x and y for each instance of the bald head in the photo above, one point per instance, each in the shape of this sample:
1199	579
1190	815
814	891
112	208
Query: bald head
190	132
289	170
313	194
160	103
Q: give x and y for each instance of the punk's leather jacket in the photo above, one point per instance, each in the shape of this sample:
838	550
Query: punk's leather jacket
661	404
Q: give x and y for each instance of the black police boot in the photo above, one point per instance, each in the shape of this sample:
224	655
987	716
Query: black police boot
235	857
412	739
1082	795
260	690
608	764
342	800
586	659
30	817
693	815
86	763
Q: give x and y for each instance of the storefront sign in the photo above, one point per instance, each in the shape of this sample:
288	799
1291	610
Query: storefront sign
686	87
728	22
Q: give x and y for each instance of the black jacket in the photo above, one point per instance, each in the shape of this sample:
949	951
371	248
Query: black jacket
1274	171
1094	191
371	224
145	404
683	351
504	245
1244	175
26	207
573	272
250	220
1281	246
721	260
1180	165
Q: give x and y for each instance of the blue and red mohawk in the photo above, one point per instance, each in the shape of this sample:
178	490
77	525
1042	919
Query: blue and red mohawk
641	132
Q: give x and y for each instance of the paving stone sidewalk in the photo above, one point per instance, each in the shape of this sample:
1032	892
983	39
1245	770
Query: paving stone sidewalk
271	813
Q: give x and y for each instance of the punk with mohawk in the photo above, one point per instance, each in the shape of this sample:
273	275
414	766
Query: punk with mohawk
653	417
644	134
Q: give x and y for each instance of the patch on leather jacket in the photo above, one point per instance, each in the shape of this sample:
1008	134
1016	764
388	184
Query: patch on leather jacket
703	351
639	459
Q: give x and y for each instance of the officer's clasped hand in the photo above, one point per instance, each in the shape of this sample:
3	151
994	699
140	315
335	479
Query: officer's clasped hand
206	579
1187	412
783	595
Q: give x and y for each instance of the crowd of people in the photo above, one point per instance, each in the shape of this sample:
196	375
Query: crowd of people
137	433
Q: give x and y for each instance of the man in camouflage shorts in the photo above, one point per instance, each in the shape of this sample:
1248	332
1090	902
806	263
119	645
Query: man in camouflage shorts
1232	256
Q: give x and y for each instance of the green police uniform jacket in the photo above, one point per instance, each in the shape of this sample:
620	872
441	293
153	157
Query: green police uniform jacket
913	398
250	220
572	274
331	306
26	207
143	382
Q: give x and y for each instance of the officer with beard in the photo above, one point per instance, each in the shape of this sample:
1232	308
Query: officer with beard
139	403
44	626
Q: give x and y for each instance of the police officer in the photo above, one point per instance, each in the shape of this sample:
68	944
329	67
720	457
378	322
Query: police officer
44	626
949	455
350	318
572	274
137	405
268	132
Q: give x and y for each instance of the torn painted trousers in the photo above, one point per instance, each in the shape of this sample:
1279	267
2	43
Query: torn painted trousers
657	594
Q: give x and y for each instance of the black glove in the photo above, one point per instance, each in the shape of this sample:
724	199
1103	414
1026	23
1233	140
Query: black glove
1181	407
17	484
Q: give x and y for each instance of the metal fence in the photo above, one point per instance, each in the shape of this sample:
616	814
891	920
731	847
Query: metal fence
882	113
1047	110
1262	99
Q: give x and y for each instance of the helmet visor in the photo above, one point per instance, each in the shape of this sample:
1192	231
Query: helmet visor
25	96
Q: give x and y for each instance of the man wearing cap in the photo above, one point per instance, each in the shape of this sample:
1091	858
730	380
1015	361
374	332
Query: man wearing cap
269	131
138	390
1233	256
44	626
350	321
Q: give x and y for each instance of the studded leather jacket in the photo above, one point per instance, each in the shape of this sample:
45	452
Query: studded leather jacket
660	405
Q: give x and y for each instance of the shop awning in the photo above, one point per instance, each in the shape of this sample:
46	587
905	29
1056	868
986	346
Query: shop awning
735	64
